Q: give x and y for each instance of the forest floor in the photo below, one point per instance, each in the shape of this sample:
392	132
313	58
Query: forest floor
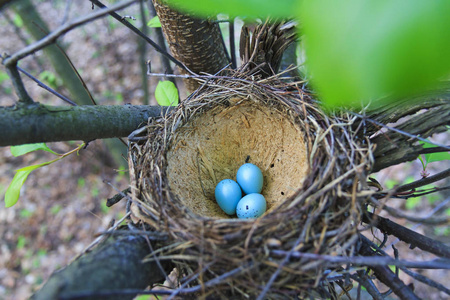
62	206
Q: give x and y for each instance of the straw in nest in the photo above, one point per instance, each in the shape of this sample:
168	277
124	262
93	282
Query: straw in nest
314	169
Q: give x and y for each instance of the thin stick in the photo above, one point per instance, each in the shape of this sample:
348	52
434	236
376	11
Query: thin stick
411	237
366	260
424	181
416	137
138	32
52	37
46	87
399	214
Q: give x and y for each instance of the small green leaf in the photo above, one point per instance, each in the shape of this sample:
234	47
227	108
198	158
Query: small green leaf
412	203
17	20
438	156
21	241
166	93
3	76
154	22
50	78
24	149
13	192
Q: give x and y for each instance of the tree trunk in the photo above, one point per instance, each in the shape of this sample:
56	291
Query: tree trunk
196	43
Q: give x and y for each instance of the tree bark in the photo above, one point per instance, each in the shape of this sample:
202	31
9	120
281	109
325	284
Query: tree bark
196	43
113	265
393	147
24	124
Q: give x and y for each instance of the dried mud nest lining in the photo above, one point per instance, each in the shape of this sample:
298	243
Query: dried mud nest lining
314	168
213	145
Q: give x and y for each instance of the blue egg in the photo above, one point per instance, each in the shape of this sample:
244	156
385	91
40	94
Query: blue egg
251	206
250	178
228	193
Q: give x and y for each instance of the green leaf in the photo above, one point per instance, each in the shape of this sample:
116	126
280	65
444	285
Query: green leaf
358	51
3	76
13	192
49	77
17	20
24	149
166	93
412	203
154	22
249	8
438	156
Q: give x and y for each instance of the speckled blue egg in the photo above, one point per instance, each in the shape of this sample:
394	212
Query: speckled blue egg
228	193
250	178
251	206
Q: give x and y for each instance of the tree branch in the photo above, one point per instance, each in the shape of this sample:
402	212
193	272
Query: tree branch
424	181
139	33
114	265
17	82
23	124
52	37
408	236
386	276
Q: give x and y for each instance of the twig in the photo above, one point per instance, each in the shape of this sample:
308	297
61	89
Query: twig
46	87
424	181
368	284
426	281
408	236
399	214
385	275
116	198
416	276
416	137
367	260
52	37
434	150
138	32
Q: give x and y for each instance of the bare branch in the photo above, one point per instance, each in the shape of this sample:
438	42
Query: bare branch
399	214
385	275
424	181
413	238
138	32
46	87
52	37
17	82
366	260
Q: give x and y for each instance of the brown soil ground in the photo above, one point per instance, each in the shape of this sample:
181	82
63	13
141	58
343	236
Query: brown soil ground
62	206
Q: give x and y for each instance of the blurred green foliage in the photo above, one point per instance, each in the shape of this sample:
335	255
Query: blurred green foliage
359	51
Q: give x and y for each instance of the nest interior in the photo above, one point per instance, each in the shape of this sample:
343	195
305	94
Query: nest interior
212	146
319	162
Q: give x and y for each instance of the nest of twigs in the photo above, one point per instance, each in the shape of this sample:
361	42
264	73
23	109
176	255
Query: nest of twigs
314	167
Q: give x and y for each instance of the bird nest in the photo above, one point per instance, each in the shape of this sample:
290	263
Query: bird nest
314	166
